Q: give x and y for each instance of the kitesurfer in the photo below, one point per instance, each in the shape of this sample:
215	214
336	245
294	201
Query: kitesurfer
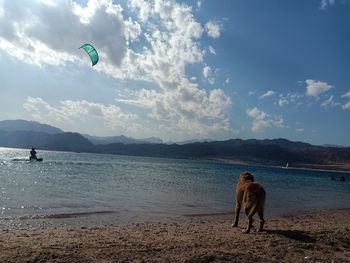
33	154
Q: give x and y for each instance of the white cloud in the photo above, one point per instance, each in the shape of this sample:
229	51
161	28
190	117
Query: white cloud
251	93
324	4
34	32
42	33
187	109
79	111
207	74
212	50
267	94
299	129
169	33
315	88
213	29
283	102
329	102
346	106
346	95
206	71
262	120
290	98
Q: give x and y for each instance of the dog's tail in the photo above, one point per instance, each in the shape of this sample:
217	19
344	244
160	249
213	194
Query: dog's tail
258	205
253	210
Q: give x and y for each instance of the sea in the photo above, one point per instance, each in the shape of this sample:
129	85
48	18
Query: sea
85	189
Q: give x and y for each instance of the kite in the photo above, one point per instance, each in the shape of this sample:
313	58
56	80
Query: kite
91	52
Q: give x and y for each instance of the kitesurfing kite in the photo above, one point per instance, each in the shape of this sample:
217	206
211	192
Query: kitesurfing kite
91	52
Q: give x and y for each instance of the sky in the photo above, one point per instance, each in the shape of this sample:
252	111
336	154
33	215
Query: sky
180	70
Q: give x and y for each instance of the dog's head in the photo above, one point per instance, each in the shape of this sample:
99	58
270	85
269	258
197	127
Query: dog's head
246	177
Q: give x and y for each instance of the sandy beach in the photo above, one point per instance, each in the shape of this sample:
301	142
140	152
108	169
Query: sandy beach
318	237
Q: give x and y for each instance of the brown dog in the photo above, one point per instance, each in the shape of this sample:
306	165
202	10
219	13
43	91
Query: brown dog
251	196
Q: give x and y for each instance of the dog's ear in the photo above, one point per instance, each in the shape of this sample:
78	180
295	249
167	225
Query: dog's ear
247	176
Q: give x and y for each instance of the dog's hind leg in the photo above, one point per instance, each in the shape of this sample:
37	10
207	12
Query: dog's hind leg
250	213
261	210
261	217
250	225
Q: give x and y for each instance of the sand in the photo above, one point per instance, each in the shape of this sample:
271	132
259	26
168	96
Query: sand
319	237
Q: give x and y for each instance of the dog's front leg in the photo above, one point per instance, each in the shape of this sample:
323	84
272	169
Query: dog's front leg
237	211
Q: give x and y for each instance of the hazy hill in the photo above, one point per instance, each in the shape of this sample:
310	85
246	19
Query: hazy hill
68	141
191	141
22	125
274	152
152	140
268	152
23	139
219	149
120	139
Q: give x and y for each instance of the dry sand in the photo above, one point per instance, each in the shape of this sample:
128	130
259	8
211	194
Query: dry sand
319	237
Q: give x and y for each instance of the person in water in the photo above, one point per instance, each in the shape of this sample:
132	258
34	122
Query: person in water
33	154
342	179
332	178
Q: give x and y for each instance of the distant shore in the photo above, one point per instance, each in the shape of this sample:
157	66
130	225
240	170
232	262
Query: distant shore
341	168
318	237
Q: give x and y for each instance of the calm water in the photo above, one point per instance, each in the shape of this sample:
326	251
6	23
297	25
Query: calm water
130	189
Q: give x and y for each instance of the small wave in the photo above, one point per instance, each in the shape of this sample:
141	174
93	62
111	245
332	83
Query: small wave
62	215
77	214
79	163
193	205
209	214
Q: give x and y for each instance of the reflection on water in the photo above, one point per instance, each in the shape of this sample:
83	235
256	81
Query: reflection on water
139	188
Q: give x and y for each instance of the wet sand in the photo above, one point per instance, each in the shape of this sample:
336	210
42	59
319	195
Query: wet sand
319	237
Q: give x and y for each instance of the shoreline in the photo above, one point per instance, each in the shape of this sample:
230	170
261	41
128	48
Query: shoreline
337	168
318	236
100	218
306	167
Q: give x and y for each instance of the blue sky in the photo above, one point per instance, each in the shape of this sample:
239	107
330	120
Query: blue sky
180	69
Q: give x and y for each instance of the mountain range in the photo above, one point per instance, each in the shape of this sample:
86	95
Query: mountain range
27	134
22	125
120	139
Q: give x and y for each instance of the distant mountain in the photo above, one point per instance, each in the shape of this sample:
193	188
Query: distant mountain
154	140
120	139
68	141
193	141
267	152
333	145
23	139
273	152
283	143
22	125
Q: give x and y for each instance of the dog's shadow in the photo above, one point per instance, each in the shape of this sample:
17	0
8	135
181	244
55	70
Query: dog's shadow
293	234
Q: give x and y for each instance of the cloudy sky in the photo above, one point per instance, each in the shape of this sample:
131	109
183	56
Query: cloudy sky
180	69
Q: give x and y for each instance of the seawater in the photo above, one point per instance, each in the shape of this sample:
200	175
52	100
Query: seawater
123	189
